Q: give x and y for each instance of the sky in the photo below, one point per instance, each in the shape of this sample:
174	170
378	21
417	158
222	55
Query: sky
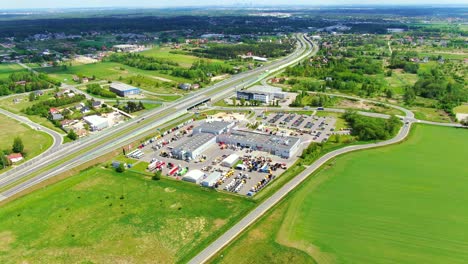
28	4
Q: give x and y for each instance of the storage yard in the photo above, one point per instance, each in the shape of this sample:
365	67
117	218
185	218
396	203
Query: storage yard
227	155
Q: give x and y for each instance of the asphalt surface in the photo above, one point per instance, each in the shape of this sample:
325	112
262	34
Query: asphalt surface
141	125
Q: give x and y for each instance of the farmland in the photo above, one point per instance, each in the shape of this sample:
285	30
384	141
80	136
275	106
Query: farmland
101	216
355	211
7	69
103	71
183	60
35	142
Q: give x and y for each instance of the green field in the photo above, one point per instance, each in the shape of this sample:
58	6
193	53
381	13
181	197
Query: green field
399	80
100	216
103	71
34	141
398	204
463	109
430	114
183	60
8	68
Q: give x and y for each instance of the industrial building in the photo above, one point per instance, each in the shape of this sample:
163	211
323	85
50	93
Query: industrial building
213	127
230	160
123	89
96	122
211	180
194	176
264	94
284	147
194	146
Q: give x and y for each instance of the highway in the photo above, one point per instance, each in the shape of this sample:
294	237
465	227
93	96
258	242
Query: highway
118	136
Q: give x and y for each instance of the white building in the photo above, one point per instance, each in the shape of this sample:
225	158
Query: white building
96	122
230	160
211	180
260	93
193	146
194	176
281	146
213	127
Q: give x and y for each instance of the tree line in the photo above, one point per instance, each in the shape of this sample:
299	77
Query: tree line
368	128
22	82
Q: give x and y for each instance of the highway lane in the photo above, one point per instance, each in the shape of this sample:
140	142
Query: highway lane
260	210
304	49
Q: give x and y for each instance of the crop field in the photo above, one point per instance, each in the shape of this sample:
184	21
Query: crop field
100	216
8	68
355	211
34	141
103	71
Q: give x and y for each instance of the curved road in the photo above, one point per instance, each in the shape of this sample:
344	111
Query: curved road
260	210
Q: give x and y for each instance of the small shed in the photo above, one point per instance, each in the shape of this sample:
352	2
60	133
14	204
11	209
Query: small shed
194	176
230	160
15	157
211	180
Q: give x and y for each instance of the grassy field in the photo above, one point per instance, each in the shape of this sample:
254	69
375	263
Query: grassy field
103	71
34	141
8	68
355	211
100	216
399	80
463	109
183	60
430	114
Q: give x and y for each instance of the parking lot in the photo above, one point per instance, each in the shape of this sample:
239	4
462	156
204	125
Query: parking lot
255	168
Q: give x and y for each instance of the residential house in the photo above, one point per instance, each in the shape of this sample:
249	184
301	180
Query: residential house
54	111
85	110
57	116
15	157
185	86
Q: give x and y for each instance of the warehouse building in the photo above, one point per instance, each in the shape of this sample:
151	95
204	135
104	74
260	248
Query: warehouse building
264	94
284	147
123	89
194	146
194	176
230	160
211	180
96	122
213	127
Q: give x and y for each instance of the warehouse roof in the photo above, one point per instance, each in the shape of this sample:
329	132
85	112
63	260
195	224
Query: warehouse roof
194	142
213	125
193	176
122	86
212	178
265	89
95	119
253	139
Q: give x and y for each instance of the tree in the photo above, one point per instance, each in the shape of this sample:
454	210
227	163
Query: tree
120	168
464	121
242	101
234	101
32	96
157	175
72	135
18	146
409	95
389	93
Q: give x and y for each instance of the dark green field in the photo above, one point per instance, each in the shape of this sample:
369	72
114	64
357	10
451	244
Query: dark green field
399	204
100	216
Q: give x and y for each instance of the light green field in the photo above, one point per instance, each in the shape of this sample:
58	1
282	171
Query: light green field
399	80
8	68
183	60
23	101
100	216
35	142
430	114
399	204
103	71
462	109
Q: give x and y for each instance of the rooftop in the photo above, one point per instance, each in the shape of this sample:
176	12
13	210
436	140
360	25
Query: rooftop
95	119
122	86
253	138
213	125
194	142
265	89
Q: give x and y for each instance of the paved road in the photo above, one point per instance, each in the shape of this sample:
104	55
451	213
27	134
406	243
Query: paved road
151	120
58	138
260	210
290	109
